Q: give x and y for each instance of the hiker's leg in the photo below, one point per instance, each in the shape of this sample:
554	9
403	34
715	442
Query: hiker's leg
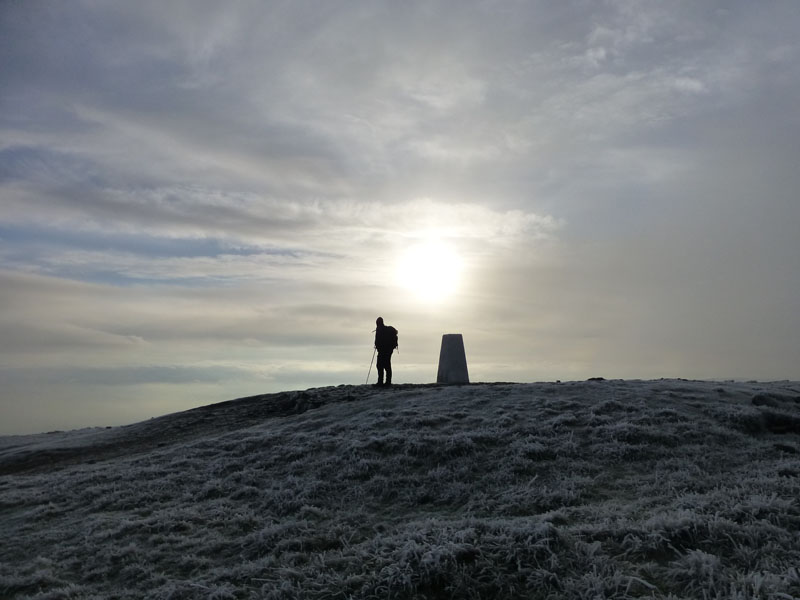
381	368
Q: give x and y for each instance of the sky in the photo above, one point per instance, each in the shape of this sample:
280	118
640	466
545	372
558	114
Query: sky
201	201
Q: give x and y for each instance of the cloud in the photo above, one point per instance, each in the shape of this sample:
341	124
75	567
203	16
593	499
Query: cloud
125	376
278	233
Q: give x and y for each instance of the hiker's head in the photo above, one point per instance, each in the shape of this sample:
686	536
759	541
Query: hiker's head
379	321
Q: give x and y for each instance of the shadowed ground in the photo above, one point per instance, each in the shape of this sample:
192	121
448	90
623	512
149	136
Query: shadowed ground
57	449
623	489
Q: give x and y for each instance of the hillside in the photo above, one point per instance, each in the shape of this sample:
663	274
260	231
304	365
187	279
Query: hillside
624	489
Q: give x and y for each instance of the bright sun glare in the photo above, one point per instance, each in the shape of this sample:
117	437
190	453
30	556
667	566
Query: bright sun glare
431	270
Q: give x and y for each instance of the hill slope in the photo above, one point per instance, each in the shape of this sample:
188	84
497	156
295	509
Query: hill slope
581	490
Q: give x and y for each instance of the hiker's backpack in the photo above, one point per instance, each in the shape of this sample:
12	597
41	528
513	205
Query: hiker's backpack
391	337
386	338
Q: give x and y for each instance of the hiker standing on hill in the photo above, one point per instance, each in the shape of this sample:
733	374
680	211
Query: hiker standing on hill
385	343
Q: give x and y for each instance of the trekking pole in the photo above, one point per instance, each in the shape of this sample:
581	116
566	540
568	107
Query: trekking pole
370	364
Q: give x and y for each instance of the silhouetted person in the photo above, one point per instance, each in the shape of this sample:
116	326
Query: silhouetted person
385	343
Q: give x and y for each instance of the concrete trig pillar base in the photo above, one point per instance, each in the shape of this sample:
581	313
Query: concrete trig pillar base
452	360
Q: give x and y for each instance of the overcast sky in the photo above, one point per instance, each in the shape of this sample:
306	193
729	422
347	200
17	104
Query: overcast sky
206	200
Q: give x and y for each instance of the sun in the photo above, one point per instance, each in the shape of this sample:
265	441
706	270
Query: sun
431	270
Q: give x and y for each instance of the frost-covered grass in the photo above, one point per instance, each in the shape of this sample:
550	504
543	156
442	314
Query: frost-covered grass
623	489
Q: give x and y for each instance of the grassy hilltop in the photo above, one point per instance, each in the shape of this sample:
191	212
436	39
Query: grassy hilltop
623	489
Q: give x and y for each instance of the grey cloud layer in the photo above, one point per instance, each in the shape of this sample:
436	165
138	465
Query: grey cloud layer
367	91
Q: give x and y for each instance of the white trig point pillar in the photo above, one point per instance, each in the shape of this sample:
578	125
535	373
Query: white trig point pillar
452	360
